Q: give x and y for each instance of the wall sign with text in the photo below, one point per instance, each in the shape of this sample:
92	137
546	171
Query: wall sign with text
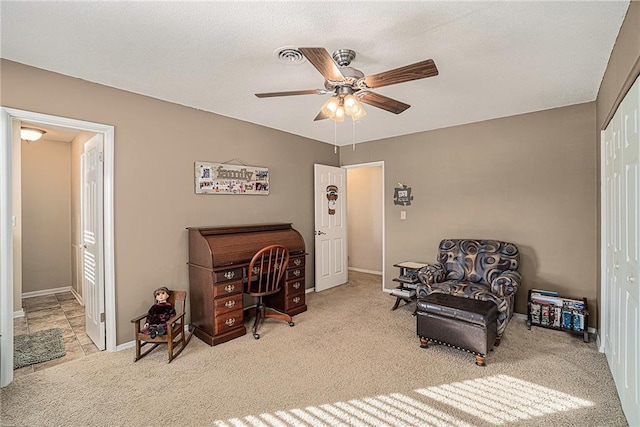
223	178
402	196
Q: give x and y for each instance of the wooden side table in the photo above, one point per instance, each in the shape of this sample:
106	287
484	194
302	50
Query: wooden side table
408	282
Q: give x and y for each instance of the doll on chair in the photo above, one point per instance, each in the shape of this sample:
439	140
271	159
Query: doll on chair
159	313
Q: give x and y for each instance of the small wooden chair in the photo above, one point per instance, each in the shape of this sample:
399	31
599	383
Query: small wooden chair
264	277
175	338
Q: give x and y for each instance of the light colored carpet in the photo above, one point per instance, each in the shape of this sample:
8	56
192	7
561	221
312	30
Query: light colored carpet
38	347
349	360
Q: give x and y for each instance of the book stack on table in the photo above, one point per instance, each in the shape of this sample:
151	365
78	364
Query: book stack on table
403	293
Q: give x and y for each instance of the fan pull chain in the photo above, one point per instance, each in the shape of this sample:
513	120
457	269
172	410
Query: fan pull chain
335	137
354	135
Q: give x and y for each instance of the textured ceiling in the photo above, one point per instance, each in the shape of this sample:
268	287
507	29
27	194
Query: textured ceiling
495	59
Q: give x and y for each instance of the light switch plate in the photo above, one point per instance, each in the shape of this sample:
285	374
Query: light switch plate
403	214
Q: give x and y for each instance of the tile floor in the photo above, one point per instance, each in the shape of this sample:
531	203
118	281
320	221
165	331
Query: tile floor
62	311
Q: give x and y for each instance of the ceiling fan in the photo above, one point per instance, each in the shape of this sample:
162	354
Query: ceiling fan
349	85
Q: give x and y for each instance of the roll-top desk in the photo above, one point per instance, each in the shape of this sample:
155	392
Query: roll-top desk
218	261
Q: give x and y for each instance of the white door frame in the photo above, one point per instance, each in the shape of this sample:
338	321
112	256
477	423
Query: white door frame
381	165
604	301
7	115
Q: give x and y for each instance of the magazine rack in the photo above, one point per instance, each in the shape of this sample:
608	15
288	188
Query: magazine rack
548	309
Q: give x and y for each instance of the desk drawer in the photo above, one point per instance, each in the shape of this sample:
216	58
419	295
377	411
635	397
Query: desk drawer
227	289
294	273
296	262
294	301
227	275
228	321
227	304
294	286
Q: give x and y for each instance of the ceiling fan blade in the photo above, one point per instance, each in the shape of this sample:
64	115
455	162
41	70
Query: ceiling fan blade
383	102
419	70
321	59
320	116
292	92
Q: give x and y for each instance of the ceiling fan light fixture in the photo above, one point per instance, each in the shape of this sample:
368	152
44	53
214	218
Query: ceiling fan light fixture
339	115
350	104
329	108
359	113
30	134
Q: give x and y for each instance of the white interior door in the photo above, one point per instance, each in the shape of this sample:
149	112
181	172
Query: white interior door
621	322
92	240
331	226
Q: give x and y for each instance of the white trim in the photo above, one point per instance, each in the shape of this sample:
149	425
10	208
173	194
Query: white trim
310	290
18	314
6	250
126	346
51	291
6	231
363	270
604	308
382	181
77	296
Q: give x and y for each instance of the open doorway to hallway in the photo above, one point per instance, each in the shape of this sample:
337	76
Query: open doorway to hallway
365	216
10	217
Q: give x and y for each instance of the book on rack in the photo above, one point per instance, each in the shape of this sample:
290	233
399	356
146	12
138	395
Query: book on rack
403	293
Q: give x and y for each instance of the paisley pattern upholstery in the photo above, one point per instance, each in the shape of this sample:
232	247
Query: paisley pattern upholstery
479	269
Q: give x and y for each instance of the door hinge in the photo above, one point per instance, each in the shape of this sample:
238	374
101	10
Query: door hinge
102	318
100	156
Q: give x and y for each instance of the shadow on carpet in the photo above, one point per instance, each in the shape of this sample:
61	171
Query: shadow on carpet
37	347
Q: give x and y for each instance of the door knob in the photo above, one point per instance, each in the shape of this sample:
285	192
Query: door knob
319	233
630	279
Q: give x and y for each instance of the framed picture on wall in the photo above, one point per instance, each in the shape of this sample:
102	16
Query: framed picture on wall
223	178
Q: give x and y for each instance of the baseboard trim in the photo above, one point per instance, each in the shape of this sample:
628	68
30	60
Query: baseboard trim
46	292
362	270
18	314
77	296
132	344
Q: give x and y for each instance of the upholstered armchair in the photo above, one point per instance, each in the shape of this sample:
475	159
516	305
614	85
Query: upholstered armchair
478	269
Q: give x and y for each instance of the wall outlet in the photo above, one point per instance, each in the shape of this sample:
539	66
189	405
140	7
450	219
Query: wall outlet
403	214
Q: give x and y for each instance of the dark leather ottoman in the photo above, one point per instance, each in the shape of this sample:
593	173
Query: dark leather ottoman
464	323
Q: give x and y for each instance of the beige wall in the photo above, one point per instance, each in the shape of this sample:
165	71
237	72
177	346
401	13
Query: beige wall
539	174
46	215
364	216
156	144
622	69
528	179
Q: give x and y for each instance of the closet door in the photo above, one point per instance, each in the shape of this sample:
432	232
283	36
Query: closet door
621	216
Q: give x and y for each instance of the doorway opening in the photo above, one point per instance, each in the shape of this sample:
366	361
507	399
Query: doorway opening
365	218
10	121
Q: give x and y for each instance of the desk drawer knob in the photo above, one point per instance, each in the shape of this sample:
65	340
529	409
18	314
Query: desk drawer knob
296	273
230	321
296	300
229	288
229	274
296	285
229	304
297	262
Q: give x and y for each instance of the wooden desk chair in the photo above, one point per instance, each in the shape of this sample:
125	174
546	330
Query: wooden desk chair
175	338
264	277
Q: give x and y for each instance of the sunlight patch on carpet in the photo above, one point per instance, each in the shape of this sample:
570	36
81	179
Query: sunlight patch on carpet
499	400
